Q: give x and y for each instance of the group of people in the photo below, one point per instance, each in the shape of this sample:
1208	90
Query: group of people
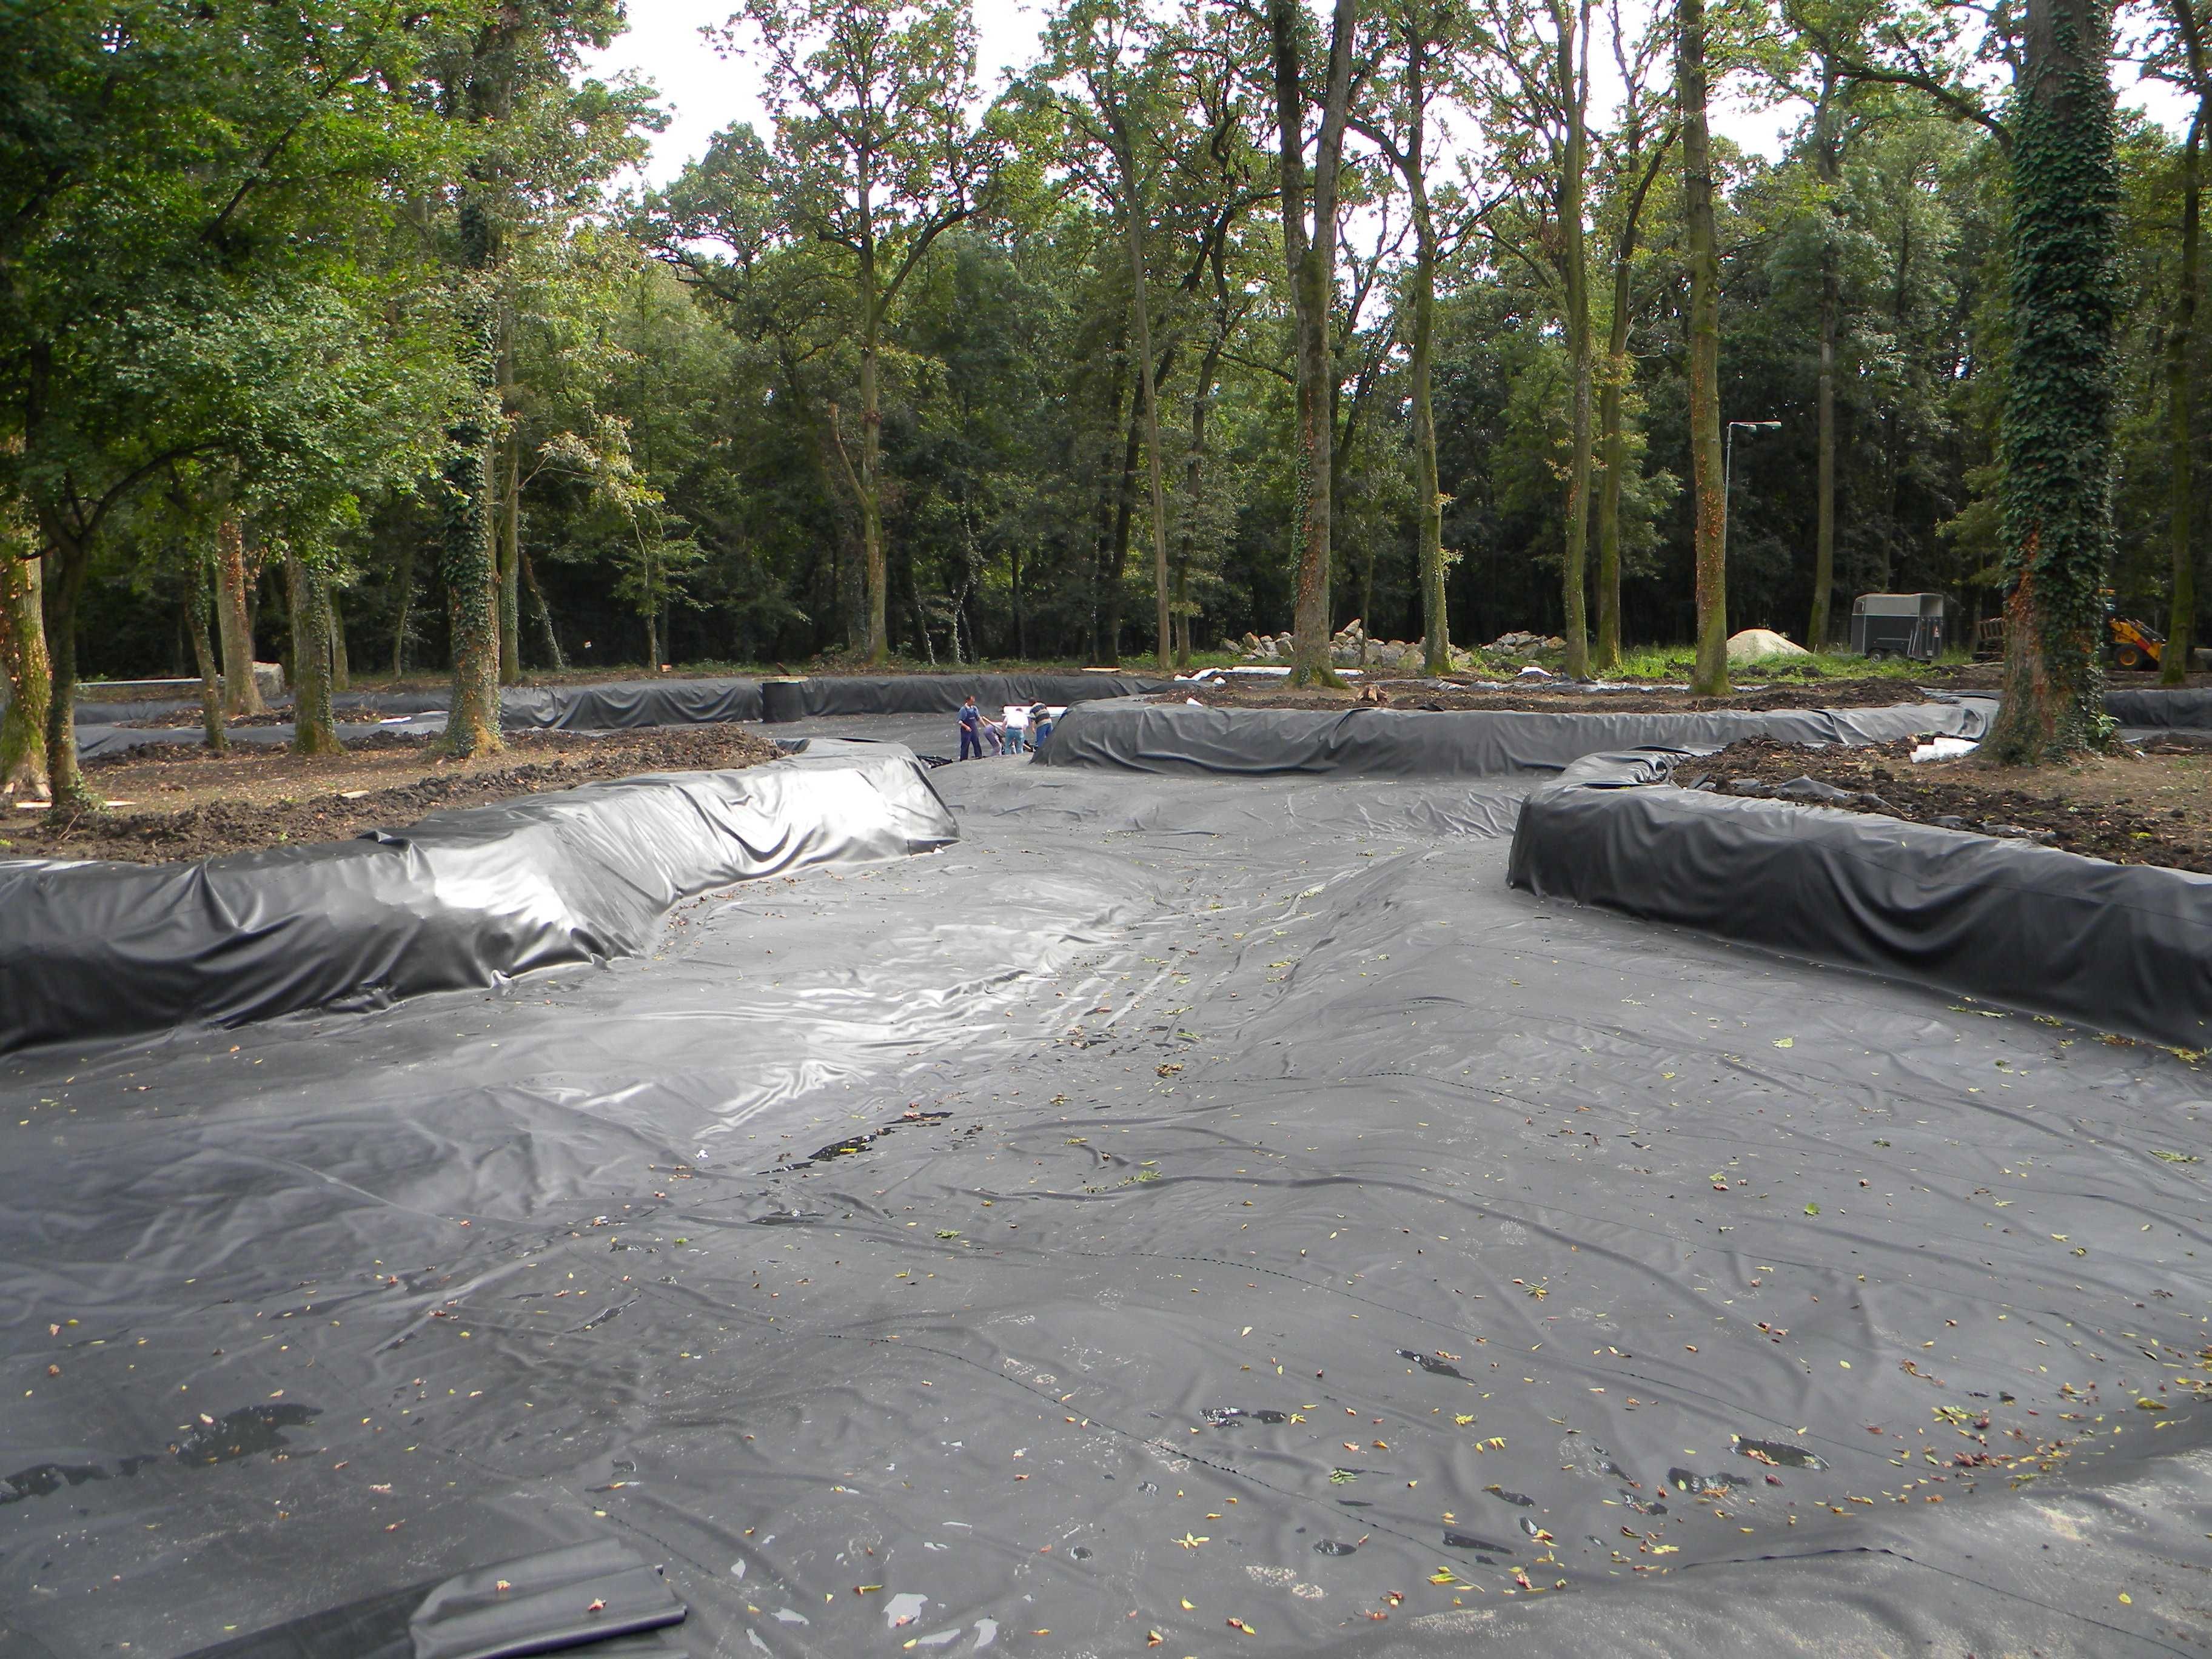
1022	729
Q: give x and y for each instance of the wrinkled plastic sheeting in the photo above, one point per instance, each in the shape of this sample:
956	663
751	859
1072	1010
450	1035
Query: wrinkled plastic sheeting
1273	1120
937	694
463	898
567	1600
1142	737
2165	708
631	704
2121	947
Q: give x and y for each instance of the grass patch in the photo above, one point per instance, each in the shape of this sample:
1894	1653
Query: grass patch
1674	664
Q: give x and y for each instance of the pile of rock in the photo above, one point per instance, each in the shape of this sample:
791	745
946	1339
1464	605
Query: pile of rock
1350	647
1524	645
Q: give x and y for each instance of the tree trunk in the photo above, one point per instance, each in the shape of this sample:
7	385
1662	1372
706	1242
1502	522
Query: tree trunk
1310	258
63	581
510	541
241	693
195	627
465	551
1574	79
314	728
1114	574
545	612
1428	487
2181	621
2057	433
1613	414
1140	306
870	492
1710	677
23	659
404	582
1828	163
341	670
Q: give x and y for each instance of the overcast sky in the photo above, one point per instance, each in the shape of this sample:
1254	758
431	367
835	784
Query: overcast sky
704	92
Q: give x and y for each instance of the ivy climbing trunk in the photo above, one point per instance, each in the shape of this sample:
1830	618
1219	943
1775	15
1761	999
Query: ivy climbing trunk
306	588
467	550
1710	679
2056	443
241	692
2181	447
23	659
1310	258
510	541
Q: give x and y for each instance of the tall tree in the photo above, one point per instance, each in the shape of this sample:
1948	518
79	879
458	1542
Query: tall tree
1634	167
1309	257
2187	59
1422	38
875	157
1710	679
23	662
2056	489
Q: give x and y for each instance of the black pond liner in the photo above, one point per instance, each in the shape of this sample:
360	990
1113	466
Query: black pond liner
2118	947
2164	708
465	898
571	1600
938	693
1167	737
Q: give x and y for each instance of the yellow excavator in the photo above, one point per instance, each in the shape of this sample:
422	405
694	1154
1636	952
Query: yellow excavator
2128	644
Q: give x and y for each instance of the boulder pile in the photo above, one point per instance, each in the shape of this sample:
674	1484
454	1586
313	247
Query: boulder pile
1345	649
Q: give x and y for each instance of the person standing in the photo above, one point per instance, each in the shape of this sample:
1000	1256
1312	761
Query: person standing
971	729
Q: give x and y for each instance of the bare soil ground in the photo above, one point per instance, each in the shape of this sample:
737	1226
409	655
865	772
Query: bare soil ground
1460	692
172	804
2156	809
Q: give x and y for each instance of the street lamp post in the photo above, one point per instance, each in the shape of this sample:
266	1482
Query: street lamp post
1728	473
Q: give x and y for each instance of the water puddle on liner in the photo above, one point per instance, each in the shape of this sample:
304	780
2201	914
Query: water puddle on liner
903	1608
1330	1547
788	1218
1461	1540
1687	1480
1432	1364
1780	1452
44	1479
1228	1417
243	1433
1519	1500
860	1143
1642	1505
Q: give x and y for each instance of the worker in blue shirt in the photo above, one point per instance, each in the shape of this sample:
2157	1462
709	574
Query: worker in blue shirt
971	729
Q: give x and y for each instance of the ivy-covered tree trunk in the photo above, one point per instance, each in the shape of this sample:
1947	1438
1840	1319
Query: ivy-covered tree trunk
1613	412
2056	446
204	658
1709	504
306	586
23	659
2181	446
241	692
465	551
509	527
